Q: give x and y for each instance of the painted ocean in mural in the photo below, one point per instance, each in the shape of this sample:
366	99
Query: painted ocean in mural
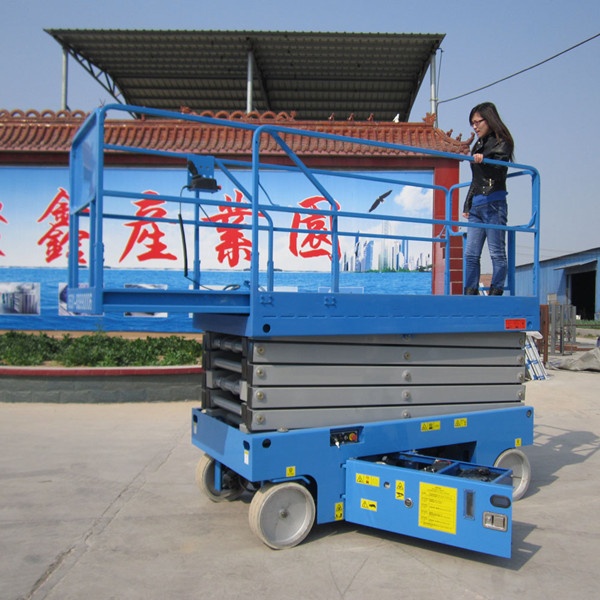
45	313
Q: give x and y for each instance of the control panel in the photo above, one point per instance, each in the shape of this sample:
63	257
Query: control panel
338	437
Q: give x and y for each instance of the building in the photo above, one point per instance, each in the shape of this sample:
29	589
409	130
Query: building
569	279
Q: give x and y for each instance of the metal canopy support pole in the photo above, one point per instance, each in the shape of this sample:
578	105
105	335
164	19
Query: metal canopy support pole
254	74
65	79
433	87
250	79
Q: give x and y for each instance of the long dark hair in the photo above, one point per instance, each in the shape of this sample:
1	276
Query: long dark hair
489	112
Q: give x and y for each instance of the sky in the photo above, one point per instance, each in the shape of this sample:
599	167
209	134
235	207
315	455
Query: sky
552	110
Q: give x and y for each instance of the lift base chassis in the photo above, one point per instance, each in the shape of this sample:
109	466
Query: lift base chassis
422	477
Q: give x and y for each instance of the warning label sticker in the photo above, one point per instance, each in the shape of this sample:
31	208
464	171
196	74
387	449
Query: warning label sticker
367	479
400	489
368	504
431	426
438	507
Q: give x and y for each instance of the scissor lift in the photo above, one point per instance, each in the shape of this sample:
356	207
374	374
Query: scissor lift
399	412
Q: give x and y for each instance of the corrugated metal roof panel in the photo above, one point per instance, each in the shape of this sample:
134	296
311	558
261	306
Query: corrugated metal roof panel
312	73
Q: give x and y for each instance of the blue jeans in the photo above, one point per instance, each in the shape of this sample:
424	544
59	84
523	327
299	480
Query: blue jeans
494	213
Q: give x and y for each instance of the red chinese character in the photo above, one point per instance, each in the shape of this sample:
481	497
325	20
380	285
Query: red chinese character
313	244
2	220
57	236
234	245
148	233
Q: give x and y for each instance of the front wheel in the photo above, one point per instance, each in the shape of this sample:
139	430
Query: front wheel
518	463
281	515
231	483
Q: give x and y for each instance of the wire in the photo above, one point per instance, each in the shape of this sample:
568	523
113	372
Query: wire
440	71
522	70
184	245
183	240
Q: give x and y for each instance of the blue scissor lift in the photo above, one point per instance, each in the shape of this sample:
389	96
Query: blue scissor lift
401	412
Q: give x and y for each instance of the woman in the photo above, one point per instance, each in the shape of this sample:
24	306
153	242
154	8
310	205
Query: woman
486	199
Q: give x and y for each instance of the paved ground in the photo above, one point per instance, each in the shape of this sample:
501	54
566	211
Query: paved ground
99	502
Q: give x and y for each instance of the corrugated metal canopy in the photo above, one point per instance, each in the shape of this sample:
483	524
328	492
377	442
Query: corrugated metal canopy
580	267
313	74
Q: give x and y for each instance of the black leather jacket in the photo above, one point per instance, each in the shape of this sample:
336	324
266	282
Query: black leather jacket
488	178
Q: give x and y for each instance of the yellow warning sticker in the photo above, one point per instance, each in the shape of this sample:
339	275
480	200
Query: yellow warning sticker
431	426
459	423
290	471
400	489
438	507
339	511
367	479
368	504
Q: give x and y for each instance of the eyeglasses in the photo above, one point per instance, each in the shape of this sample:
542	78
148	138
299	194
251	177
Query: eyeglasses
477	123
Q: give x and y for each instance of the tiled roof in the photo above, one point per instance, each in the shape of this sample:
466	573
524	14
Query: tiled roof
31	136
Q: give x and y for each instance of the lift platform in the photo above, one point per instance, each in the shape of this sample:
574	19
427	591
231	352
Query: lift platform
398	411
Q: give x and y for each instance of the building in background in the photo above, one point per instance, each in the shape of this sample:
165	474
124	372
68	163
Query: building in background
569	279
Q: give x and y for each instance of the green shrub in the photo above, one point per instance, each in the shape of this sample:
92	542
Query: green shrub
97	350
588	324
23	349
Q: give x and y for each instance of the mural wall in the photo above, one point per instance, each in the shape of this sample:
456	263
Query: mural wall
34	238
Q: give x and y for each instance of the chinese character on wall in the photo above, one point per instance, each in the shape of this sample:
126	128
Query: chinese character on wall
234	245
2	220
56	238
147	233
317	241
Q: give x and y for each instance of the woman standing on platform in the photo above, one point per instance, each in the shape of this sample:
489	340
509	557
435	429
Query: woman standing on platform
486	199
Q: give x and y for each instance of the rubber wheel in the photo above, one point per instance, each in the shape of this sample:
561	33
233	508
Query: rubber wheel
518	462
281	515
231	482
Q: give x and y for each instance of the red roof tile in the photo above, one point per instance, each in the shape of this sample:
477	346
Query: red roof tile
32	137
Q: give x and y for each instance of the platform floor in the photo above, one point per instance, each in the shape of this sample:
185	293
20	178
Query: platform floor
99	501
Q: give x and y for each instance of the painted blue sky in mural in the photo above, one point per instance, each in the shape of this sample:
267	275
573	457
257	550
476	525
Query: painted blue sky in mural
33	215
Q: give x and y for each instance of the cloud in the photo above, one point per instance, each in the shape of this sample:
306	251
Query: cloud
415	202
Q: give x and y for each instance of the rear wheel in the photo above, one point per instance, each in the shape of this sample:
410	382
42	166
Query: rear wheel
281	515
517	461
231	483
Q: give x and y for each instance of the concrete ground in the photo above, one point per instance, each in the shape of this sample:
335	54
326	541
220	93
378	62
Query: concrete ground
99	502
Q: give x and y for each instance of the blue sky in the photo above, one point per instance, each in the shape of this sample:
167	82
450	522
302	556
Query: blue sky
552	110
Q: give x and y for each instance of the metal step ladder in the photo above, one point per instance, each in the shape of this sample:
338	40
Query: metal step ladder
535	364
